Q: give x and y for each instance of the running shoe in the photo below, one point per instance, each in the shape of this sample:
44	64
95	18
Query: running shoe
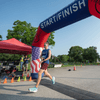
53	80
34	89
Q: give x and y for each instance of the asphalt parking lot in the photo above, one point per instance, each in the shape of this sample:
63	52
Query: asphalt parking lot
84	83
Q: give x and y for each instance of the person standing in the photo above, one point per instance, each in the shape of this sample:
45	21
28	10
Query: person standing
45	56
26	59
21	62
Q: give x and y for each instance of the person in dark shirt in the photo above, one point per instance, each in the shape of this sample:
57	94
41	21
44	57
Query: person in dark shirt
26	59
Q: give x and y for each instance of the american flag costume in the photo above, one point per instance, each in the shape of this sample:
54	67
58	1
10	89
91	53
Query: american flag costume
37	47
35	63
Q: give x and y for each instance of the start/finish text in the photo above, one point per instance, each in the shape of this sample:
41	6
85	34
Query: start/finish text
63	13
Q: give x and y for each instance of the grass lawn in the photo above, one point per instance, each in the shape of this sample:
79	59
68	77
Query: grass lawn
69	65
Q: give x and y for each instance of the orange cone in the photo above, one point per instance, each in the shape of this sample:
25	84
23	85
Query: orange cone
5	81
12	80
81	65
74	67
28	75
30	79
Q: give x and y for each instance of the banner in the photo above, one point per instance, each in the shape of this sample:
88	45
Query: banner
72	13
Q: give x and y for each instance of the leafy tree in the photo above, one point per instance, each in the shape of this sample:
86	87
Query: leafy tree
75	54
24	32
90	54
51	59
54	60
1	57
59	58
0	37
98	57
63	58
4	57
9	57
50	39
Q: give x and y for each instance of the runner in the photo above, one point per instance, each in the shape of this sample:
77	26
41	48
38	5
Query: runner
21	62
46	55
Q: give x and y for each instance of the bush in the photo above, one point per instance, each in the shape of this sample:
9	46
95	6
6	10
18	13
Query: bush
51	66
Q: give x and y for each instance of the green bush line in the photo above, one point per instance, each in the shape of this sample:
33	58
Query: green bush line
64	65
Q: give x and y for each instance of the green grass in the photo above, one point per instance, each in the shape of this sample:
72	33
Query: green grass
70	65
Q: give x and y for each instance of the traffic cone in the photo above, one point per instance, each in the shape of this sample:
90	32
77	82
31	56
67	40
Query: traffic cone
30	79
28	75
5	81
12	80
25	78
81	65
18	79
74	67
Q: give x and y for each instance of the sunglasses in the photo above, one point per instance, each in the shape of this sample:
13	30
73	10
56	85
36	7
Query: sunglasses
45	44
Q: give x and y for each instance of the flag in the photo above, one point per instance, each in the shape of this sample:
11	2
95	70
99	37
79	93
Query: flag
35	63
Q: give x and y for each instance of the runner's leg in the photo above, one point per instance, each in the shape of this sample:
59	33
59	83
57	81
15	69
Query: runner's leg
21	65
39	77
47	74
26	67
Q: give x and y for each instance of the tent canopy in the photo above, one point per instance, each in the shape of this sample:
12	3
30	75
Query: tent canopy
13	46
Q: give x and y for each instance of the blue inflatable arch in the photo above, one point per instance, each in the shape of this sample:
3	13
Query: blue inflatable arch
76	11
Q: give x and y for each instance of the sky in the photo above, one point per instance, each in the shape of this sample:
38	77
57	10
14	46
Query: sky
84	33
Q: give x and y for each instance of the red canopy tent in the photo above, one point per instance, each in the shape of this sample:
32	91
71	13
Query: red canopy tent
13	46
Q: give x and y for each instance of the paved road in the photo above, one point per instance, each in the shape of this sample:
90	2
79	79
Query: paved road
84	83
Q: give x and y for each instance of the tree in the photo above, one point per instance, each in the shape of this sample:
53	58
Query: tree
54	60
75	54
24	32
1	56
63	58
0	37
59	58
90	54
9	57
